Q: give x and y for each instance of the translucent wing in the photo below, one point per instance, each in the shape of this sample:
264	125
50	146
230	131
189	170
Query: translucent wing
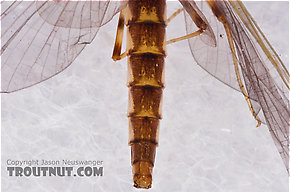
215	59
264	78
40	39
264	44
197	18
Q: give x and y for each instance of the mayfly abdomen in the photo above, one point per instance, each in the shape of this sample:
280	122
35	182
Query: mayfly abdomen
146	52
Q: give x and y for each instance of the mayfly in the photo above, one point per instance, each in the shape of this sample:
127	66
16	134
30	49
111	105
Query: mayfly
40	39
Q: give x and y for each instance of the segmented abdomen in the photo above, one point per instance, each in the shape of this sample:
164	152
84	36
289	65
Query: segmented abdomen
146	52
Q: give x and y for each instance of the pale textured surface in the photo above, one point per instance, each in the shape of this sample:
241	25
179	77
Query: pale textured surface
208	139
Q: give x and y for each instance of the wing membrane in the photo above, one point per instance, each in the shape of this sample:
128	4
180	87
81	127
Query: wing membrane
260	38
216	60
265	86
261	86
40	39
79	14
196	17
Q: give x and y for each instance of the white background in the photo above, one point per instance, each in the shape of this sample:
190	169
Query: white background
208	138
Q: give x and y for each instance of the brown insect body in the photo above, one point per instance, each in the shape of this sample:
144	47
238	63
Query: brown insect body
146	25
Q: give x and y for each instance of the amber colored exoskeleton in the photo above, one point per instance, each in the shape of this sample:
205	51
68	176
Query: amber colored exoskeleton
146	52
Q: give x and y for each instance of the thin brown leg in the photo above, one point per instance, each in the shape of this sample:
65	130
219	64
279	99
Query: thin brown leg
119	39
174	15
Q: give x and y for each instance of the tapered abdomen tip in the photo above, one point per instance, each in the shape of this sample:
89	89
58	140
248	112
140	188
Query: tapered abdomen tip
142	181
142	175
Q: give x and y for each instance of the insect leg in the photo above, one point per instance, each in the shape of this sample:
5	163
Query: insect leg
196	33
174	15
241	85
196	17
119	38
